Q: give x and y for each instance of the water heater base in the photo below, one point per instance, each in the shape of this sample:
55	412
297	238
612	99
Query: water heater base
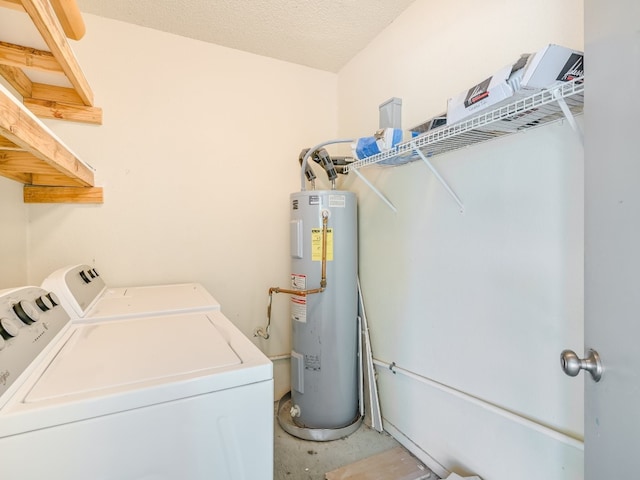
313	434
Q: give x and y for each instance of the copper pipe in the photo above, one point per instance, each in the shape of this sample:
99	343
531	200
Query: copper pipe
302	293
325	221
264	333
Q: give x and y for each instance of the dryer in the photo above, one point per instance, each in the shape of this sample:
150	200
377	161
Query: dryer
170	397
84	294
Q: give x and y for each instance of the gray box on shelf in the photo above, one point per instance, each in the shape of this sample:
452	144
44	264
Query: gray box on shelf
391	113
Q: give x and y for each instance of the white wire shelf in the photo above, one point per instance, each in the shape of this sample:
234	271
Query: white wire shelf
522	113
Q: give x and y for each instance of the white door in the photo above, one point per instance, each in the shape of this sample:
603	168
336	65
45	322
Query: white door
612	237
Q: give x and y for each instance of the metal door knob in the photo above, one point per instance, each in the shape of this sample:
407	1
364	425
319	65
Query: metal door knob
571	364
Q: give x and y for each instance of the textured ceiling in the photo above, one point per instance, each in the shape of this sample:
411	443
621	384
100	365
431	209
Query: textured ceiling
323	34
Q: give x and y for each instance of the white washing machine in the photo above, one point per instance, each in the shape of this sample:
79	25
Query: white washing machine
83	293
171	397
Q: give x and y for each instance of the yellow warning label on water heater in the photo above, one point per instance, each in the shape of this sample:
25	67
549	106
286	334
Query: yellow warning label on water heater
316	244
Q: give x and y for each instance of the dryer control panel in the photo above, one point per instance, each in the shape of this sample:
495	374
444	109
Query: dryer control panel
30	318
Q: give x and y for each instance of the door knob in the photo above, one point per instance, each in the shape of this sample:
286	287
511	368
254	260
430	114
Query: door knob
571	364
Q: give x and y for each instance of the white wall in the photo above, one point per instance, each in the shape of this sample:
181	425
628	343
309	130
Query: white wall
13	240
197	155
13	224
474	308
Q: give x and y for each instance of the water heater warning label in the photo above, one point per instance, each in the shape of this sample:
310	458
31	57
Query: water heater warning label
337	201
298	281
312	362
299	308
316	244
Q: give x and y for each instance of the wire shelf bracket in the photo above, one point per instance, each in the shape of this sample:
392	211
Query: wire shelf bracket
440	179
568	114
376	191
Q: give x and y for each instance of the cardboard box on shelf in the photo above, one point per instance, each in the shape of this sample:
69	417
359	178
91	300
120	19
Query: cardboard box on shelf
547	68
487	93
431	124
551	66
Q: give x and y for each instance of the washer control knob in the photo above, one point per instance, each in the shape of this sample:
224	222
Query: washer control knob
26	311
8	328
44	303
55	301
84	277
95	271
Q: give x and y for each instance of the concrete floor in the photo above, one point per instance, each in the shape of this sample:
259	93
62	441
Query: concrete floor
297	459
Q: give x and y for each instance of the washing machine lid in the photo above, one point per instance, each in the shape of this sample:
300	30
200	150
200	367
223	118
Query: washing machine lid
131	353
135	301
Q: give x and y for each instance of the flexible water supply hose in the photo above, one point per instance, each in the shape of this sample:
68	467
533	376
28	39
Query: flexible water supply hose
305	160
265	332
308	172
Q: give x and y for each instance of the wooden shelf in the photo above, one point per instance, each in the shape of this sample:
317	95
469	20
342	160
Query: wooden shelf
55	20
30	153
62	194
67	12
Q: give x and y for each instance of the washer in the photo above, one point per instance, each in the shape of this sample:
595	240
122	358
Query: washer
171	397
84	293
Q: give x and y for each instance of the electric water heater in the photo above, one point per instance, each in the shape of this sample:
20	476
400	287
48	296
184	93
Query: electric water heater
324	371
